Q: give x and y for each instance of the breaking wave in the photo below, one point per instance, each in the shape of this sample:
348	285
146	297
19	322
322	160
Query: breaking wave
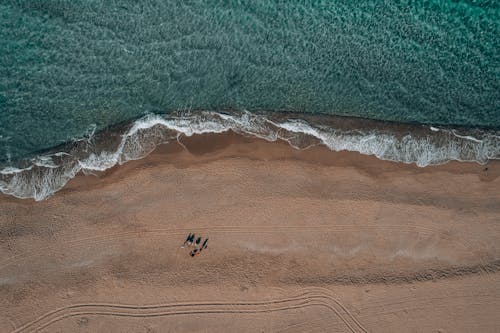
42	176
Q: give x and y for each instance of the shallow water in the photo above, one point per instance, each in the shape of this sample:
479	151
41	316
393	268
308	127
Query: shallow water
68	68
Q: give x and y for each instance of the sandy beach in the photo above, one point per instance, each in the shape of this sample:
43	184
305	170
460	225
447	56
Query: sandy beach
299	241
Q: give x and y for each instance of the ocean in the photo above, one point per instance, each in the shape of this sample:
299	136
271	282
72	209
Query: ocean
87	84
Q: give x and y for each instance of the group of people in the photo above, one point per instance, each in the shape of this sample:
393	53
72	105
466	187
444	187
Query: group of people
191	240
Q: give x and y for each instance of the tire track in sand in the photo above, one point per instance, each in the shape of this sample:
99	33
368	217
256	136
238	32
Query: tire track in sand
309	298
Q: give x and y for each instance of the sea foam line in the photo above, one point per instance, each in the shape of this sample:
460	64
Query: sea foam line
46	174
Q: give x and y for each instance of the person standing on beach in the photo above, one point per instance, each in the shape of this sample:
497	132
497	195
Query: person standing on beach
187	240
191	239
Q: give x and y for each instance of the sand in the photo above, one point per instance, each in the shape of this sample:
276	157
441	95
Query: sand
299	241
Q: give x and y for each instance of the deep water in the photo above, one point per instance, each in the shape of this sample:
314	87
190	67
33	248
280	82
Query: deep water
71	67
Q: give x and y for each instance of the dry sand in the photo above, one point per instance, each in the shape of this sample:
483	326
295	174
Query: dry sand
300	241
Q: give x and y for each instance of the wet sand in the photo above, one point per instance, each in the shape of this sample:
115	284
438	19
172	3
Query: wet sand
299	241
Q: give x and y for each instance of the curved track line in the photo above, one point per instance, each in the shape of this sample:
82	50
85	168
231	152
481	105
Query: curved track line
327	292
306	297
157	306
162	314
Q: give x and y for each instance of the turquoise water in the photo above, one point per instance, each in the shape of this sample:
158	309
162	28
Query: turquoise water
70	67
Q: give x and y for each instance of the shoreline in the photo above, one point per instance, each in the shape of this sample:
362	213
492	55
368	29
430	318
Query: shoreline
211	147
44	175
386	245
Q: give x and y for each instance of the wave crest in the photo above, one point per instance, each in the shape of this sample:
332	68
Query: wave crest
44	175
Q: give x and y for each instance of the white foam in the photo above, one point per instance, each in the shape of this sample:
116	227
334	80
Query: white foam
44	176
467	137
13	170
44	161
